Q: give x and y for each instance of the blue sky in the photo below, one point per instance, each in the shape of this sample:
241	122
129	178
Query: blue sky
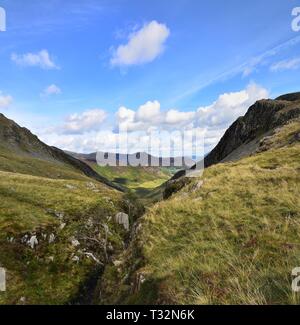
71	70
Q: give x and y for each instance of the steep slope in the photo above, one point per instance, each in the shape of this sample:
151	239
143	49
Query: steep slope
21	150
57	225
230	236
243	137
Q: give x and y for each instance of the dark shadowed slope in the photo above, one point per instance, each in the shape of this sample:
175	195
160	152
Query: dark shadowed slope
243	137
261	118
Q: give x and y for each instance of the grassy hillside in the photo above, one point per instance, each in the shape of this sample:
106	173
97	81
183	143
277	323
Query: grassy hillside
141	180
229	237
16	163
71	217
65	210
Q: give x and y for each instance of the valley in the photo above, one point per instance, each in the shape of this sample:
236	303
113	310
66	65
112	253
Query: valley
140	180
229	236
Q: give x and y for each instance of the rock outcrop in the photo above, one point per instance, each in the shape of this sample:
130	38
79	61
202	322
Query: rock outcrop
262	117
243	137
122	219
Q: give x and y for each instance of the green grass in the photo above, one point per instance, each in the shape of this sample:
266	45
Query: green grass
233	240
32	205
141	180
16	163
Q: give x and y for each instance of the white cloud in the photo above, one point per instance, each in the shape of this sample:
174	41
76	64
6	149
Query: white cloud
143	46
149	111
146	116
51	90
253	64
230	106
86	122
292	64
5	100
41	59
175	117
149	116
213	119
219	114
125	120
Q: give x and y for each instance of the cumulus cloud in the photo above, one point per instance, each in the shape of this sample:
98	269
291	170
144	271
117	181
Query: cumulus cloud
143	46
176	117
222	112
125	120
230	106
292	64
149	116
212	120
149	112
41	59
51	90
87	121
5	100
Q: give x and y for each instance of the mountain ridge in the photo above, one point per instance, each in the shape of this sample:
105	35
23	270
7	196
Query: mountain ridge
144	157
248	130
21	141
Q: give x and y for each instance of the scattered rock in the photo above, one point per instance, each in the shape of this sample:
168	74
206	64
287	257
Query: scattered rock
51	238
71	187
117	263
197	186
33	242
106	229
90	255
122	219
24	239
75	242
75	259
91	186
138	228
23	300
140	278
110	248
198	199
90	222
59	215
62	226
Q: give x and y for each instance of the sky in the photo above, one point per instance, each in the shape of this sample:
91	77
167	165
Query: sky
78	72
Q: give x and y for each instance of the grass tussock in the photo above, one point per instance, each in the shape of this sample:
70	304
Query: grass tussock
59	202
233	240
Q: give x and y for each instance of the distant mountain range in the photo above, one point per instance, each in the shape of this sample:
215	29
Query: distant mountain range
142	158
